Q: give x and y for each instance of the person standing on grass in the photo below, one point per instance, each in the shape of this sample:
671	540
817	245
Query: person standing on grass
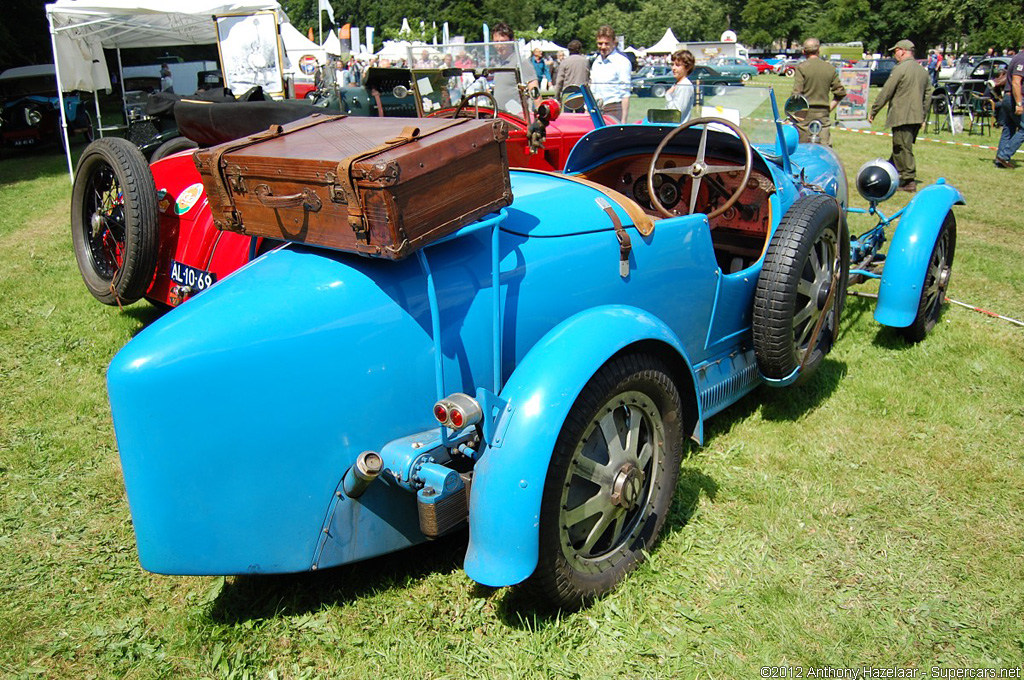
681	95
815	79
908	94
1012	135
610	76
574	69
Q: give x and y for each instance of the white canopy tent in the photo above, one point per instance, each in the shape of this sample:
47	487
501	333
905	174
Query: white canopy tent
667	45
81	29
297	46
333	44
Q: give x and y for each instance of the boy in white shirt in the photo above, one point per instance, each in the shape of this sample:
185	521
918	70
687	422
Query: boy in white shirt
681	95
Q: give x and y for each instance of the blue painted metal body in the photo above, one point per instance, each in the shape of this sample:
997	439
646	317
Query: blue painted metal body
909	253
305	358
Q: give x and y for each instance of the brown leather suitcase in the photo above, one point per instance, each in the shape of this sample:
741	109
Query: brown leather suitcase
378	186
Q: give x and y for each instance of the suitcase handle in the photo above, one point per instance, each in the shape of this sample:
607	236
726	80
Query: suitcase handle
307	198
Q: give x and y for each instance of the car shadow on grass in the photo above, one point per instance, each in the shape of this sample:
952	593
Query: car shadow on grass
255	598
145	314
517	610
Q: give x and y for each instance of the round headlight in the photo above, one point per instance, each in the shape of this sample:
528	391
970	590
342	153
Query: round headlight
877	180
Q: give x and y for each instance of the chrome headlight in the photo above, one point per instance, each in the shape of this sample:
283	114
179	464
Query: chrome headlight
877	180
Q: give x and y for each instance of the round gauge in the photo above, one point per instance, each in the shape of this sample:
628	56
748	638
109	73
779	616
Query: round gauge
640	193
668	194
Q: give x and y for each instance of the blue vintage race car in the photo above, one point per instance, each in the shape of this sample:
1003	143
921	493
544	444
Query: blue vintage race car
535	375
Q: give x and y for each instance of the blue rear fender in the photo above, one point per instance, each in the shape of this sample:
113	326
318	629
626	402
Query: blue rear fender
508	482
909	252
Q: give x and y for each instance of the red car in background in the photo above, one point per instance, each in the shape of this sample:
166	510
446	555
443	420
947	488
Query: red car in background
761	65
147	231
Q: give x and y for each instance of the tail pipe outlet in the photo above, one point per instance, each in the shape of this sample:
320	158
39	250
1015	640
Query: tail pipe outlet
367	468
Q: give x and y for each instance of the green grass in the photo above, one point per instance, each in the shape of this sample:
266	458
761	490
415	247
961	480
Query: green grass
874	517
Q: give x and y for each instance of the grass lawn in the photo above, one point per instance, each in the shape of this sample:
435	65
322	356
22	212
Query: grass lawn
874	517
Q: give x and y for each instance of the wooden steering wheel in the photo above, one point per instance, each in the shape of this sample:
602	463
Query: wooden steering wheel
699	169
470	97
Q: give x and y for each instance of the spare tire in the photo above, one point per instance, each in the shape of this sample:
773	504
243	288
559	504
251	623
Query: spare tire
809	246
114	221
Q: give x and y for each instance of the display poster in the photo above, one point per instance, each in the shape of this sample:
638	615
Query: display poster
855	105
250	52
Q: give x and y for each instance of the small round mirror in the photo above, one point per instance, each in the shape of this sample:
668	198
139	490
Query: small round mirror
572	99
400	91
796	104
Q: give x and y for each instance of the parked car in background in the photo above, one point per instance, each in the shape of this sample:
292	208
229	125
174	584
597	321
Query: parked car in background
177	252
761	65
787	67
881	69
30	110
710	80
734	66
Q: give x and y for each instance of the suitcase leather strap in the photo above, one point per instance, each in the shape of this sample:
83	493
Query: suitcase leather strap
229	218
409	133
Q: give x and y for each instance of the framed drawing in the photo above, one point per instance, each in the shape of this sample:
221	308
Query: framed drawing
250	52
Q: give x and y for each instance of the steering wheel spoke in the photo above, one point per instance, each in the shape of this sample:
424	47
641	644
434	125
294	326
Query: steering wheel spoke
699	169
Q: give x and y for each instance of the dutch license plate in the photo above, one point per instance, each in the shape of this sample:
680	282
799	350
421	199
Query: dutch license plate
196	279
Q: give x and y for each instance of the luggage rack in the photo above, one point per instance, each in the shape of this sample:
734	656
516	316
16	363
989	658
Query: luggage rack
493	223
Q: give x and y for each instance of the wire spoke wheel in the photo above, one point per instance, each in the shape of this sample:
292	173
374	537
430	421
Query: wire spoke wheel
114	221
813	287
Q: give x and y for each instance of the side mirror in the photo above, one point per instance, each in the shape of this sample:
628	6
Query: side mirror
572	99
400	92
796	104
534	92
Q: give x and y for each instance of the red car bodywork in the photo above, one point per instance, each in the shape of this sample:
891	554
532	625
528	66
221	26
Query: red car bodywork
761	65
188	236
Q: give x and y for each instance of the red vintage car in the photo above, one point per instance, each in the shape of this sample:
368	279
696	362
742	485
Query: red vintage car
147	231
761	65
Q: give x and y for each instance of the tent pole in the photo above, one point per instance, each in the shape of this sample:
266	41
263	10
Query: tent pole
320	19
120	75
60	97
99	116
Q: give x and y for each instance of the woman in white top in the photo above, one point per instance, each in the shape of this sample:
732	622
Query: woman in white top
681	95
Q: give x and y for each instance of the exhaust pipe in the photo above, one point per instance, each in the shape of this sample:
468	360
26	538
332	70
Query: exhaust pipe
367	468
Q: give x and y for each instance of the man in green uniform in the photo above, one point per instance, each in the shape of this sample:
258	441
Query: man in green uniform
907	93
815	79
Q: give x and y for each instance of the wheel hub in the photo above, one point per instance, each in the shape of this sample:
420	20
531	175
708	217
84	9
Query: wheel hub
97	222
627	486
823	291
697	170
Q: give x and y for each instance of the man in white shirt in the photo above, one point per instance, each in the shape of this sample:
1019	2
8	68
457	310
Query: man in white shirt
610	76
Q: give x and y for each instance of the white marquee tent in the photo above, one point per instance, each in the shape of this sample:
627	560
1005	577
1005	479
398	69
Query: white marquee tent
81	29
297	46
667	45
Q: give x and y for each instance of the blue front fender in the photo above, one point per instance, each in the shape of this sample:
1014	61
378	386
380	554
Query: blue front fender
909	252
504	515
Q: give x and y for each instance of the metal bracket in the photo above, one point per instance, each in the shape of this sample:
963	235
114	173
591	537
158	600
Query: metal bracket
497	416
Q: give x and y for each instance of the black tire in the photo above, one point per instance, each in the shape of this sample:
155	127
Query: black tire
810	244
631	395
173	145
658	90
114	221
936	281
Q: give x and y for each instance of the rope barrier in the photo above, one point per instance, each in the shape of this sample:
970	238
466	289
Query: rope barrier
980	310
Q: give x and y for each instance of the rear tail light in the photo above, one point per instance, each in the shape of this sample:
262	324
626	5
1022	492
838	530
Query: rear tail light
458	411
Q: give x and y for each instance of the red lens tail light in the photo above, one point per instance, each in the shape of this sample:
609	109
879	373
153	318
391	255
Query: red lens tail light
458	411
